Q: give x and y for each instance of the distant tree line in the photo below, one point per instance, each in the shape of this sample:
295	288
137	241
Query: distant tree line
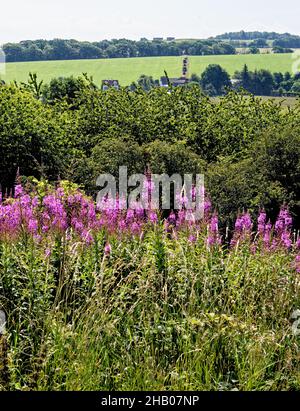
261	39
58	49
291	42
254	35
265	83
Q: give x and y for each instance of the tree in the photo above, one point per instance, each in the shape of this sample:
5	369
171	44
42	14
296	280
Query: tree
163	157
90	51
146	82
33	140
195	78
259	82
278	79
265	82
246	78
296	87
287	76
13	52
254	50
34	53
63	87
260	43
112	153
215	79
279	49
34	86
262	83
63	50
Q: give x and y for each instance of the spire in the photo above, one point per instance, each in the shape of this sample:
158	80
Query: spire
185	67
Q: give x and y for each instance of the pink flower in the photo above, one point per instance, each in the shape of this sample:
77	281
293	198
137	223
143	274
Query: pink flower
210	241
18	191
172	218
153	217
284	220
214	224
107	249
130	215
286	240
47	252
135	228
33	225
213	232
87	237
262	222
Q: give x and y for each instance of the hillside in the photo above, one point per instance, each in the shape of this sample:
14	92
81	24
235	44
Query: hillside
254	35
128	70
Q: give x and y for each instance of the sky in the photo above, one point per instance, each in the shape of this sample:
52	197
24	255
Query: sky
95	20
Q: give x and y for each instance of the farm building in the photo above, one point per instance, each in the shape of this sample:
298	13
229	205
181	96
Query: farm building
106	84
181	81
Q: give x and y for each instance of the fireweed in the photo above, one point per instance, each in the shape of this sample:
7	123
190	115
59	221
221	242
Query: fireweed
69	213
121	299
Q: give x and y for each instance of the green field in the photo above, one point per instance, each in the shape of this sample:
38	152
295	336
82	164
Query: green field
128	70
284	101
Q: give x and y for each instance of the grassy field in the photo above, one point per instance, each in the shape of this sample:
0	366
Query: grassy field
285	101
128	70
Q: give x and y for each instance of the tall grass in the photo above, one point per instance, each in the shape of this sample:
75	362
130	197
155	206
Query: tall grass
154	311
154	314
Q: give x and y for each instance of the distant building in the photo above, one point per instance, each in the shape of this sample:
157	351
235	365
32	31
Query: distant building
106	84
181	81
158	39
235	81
171	38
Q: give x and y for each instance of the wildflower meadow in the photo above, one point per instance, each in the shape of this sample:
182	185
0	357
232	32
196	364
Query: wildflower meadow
134	300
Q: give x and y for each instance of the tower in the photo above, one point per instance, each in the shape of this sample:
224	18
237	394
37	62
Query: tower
185	67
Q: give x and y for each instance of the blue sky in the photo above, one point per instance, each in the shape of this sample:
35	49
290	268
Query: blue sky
98	19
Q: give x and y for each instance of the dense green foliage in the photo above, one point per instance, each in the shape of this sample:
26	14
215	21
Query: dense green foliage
80	135
253	35
261	39
264	83
214	81
58	49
